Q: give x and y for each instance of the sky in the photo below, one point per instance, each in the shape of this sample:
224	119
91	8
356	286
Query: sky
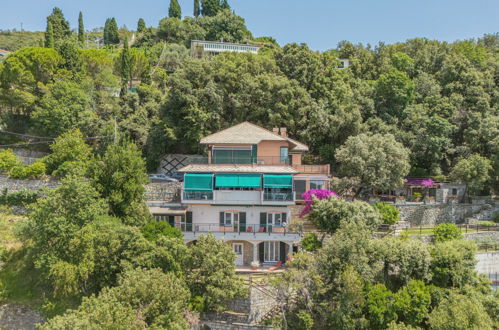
319	23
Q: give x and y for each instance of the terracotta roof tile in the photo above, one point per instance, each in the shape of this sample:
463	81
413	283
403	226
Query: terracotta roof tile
219	168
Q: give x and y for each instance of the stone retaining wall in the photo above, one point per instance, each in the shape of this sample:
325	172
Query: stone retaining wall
13	185
431	215
168	192
19	317
220	325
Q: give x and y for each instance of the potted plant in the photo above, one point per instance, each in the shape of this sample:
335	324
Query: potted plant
255	265
417	196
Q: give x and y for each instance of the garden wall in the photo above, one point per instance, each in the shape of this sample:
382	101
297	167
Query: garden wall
430	215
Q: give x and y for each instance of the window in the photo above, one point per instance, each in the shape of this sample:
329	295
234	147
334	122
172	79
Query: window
317	185
274	219
231	218
284	154
271	251
238	248
454	191
230	155
300	188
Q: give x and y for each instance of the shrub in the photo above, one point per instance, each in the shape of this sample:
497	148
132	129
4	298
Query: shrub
389	213
446	232
154	230
310	242
496	217
8	160
19	198
33	171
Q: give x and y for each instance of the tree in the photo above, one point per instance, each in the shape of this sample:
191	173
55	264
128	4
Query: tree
70	155
49	36
141	25
380	303
328	214
446	232
210	273
310	242
143	299
474	170
459	312
174	10
376	161
453	263
197	9
394	91
59	24
156	229
225	4
211	7
126	66
413	303
227	26
389	213
65	106
119	175
111	35
81	29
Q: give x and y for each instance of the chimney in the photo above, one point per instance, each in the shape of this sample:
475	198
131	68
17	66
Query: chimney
275	130
283	132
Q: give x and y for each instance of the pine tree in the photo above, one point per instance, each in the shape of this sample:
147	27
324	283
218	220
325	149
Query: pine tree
197	9
225	4
49	35
126	65
174	10
81	29
141	25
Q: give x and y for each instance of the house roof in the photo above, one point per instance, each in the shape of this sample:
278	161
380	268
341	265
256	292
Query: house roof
221	168
167	210
248	133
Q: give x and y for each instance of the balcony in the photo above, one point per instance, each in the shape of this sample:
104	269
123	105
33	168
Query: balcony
238	197
313	169
241	232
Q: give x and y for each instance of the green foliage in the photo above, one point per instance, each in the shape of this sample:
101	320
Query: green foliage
111	35
49	36
33	171
8	160
446	232
143	299
69	153
141	25
197	8
310	242
156	229
119	175
211	7
125	65
389	213
210	272
19	198
174	9
453	263
329	214
475	171
81	29
59	25
380	305
459	312
376	161
413	303
302	320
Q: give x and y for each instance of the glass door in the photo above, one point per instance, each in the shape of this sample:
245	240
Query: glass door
271	251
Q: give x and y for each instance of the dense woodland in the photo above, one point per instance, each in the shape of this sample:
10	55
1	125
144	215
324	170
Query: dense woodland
420	108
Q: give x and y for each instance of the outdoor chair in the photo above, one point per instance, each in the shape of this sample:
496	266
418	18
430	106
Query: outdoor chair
276	266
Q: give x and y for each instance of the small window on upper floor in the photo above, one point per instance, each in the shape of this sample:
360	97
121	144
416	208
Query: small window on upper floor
284	155
317	184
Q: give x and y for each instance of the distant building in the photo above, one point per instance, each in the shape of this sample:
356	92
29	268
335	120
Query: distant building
344	63
4	53
200	49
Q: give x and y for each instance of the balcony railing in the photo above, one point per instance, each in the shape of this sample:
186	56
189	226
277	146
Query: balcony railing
197	195
238	229
313	169
279	196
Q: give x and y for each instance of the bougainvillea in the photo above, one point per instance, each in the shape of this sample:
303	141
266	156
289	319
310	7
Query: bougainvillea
309	196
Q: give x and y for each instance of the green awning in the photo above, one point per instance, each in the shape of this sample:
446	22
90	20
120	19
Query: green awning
193	181
278	181
238	181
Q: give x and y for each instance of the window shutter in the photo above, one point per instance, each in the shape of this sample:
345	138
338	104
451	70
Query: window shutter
242	221
263	220
222	219
188	222
284	217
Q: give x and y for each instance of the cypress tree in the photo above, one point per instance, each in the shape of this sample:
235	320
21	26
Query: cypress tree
126	65
106	31
211	7
113	35
225	4
49	35
141	25
174	10
81	29
197	9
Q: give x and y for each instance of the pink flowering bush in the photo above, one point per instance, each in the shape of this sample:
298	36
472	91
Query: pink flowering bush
309	196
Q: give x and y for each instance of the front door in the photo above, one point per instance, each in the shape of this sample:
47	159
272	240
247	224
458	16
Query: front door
271	251
239	251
